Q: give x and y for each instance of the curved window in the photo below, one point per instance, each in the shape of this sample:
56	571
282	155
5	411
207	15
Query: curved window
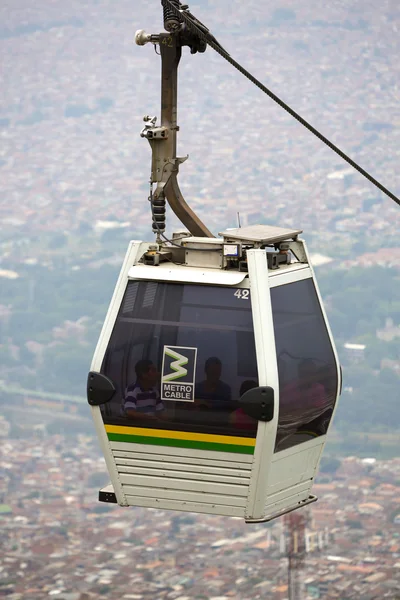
180	356
306	364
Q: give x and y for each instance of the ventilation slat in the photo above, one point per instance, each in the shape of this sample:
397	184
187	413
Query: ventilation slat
200	478
180	454
183	484
184	505
210	499
130	297
194	477
183	466
149	295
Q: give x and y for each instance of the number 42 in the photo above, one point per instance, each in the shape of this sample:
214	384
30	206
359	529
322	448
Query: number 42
242	294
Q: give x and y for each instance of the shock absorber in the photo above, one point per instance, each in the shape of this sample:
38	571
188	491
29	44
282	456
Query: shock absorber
171	20
158	213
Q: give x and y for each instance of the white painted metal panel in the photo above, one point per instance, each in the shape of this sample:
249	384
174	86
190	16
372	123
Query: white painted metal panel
285	493
190	468
134	252
293	469
296	273
179	274
197	476
267	234
267	375
284	502
198	463
196	507
169	473
184	495
190	453
183	484
317	441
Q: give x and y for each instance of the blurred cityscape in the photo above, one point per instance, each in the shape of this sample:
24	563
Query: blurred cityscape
57	541
73	169
75	88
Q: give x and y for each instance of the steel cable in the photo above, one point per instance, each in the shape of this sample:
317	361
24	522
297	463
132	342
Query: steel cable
190	22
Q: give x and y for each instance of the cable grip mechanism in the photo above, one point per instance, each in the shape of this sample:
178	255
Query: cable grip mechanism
151	131
172	21
163	137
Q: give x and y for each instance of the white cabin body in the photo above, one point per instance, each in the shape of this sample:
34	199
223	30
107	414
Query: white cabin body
226	322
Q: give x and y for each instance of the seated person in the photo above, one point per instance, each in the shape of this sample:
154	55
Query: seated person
212	392
142	399
306	393
238	418
302	403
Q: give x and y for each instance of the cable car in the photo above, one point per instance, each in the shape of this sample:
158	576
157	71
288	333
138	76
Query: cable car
215	377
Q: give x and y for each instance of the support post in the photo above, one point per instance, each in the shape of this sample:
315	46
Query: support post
163	140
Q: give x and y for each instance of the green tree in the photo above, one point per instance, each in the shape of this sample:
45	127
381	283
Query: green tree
329	464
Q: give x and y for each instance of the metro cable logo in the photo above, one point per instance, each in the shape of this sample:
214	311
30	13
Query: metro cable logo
179	367
176	365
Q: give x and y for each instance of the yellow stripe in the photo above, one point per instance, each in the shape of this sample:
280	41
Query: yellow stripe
181	435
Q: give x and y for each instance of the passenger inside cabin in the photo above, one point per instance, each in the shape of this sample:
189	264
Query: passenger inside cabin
239	418
311	384
142	399
327	379
212	392
303	402
306	392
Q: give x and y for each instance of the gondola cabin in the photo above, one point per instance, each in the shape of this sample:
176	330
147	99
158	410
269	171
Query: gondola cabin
215	377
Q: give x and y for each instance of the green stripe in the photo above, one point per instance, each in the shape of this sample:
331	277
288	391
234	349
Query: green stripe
138	439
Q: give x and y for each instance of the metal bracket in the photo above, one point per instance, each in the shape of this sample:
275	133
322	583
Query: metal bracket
280	513
151	132
107	494
100	389
142	38
258	403
297	248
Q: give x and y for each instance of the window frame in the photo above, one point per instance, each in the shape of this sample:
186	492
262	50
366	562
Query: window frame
124	316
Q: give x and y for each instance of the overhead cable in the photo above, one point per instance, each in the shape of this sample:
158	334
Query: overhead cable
202	32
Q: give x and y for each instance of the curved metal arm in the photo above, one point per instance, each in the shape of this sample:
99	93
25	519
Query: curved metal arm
162	139
182	210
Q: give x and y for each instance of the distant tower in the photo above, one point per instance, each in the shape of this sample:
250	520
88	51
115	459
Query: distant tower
296	549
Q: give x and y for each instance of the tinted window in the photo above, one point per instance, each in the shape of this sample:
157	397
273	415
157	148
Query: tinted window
196	346
306	364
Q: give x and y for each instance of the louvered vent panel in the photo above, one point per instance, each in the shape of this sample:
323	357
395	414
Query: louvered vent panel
192	477
130	297
149	295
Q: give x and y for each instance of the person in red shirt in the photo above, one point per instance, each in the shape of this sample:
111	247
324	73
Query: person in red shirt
239	418
306	392
302	403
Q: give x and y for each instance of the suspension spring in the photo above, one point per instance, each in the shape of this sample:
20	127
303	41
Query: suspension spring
158	211
171	20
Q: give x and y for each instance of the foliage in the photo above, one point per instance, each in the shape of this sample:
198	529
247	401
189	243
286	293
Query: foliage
329	464
354	524
69	428
97	480
359	302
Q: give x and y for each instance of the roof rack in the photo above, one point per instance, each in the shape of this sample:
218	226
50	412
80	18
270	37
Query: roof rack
260	235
